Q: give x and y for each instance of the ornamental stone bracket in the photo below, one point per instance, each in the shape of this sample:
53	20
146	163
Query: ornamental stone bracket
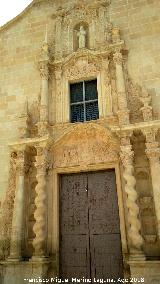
134	225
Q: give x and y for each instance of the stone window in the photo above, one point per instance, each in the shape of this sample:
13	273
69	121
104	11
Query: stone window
84	101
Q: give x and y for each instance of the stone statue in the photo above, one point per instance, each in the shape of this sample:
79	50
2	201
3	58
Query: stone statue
82	37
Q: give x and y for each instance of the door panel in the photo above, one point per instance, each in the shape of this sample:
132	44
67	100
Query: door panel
74	260
103	213
107	256
74	204
89	226
74	252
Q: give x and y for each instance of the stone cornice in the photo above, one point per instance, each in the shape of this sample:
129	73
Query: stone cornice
50	140
47	140
155	124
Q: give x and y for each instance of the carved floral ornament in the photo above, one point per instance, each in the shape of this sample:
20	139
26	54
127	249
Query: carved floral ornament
79	65
82	69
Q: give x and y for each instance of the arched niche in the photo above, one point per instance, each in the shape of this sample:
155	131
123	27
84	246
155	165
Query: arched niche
85	145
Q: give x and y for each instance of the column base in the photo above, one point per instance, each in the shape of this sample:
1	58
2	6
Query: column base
39	258
137	256
145	271
14	259
24	272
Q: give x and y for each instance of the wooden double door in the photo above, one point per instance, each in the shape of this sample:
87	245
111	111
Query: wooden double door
90	243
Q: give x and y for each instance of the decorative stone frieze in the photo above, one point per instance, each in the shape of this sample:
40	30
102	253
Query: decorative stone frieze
18	211
153	154
134	224
40	215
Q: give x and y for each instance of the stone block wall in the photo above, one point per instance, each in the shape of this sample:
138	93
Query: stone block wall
139	22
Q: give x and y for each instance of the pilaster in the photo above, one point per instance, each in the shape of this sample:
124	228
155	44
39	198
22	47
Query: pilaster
123	112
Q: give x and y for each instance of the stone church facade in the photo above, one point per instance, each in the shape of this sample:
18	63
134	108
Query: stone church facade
56	151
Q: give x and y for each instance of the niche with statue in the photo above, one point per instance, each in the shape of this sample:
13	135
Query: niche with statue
81	36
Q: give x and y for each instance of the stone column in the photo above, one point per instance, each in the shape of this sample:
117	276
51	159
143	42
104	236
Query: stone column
153	154
18	211
134	229
123	112
40	215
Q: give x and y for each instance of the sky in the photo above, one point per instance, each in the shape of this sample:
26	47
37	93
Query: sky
11	8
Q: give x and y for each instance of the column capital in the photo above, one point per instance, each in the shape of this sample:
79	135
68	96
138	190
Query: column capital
125	137
126	155
153	152
20	164
150	134
42	162
147	112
